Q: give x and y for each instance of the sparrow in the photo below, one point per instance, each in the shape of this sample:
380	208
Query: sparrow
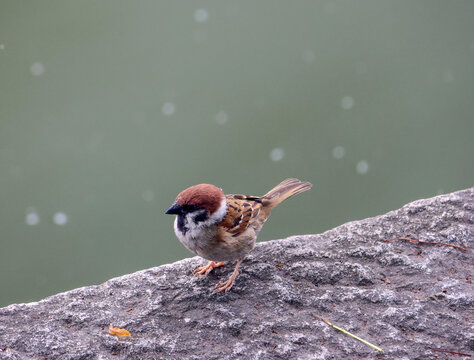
221	227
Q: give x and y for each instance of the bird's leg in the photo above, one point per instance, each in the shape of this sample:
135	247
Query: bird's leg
207	268
226	285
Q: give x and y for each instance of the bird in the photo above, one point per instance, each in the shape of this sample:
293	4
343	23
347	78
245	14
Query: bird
221	228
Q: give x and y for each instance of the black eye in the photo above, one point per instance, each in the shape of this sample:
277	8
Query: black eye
185	209
200	217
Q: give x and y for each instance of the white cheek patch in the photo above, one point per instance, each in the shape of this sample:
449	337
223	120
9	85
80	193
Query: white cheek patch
191	217
211	220
197	230
188	218
219	214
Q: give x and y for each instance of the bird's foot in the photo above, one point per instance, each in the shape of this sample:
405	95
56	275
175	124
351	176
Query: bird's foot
207	268
226	285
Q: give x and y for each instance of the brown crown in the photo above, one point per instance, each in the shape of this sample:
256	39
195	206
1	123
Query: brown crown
205	196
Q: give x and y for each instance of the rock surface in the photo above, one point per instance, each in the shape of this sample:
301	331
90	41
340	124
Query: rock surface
408	298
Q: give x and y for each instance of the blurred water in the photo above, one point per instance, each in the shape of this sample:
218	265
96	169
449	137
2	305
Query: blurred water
110	108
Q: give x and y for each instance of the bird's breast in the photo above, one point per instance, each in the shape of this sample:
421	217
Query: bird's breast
209	244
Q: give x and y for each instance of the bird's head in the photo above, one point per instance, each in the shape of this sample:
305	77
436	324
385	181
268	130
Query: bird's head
200	204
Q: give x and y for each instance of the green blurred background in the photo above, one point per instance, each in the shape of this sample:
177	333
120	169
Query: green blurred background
109	108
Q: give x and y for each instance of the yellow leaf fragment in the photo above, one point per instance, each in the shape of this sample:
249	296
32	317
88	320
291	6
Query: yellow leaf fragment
118	331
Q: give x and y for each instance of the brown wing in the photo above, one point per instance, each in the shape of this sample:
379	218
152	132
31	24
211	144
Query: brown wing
241	210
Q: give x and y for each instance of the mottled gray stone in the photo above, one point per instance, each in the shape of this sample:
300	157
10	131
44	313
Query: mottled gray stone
402	296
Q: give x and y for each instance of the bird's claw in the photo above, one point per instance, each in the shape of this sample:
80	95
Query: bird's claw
206	269
226	285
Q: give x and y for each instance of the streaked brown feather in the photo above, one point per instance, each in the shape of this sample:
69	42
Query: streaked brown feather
244	211
241	211
283	191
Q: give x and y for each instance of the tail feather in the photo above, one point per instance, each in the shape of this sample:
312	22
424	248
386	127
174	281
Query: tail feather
283	191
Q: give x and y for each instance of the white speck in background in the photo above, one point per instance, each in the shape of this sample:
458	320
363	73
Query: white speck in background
168	109
148	195
347	102
308	56
362	167
60	218
338	152
2	47
222	117
201	15
32	218
37	69
277	154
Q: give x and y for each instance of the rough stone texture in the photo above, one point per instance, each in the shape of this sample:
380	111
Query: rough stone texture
402	296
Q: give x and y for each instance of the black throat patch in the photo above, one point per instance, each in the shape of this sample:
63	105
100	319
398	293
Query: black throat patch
182	224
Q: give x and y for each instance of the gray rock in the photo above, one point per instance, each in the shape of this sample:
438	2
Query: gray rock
402	296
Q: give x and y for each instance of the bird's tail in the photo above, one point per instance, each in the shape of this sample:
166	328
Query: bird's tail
283	191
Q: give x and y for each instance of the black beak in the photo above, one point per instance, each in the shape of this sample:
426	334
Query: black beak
174	209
